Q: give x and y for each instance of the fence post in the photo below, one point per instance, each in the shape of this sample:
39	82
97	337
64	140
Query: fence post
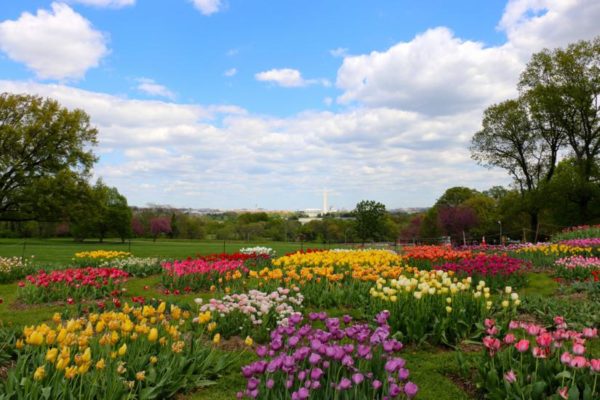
24	247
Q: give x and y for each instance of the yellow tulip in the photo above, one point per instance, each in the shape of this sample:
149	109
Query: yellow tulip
87	355
70	372
122	350
248	341
153	335
101	364
51	355
217	338
39	373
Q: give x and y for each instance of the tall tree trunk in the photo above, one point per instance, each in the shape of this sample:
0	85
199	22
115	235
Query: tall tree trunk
533	224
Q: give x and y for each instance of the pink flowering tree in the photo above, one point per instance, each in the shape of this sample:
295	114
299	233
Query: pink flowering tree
137	227
159	225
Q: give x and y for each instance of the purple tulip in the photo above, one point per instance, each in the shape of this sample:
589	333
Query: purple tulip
261	351
411	389
344	384
316	374
403	374
357	378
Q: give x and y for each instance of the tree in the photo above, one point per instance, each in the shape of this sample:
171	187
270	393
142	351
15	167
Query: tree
509	140
455	196
369	220
102	212
41	143
456	220
158	226
563	86
137	227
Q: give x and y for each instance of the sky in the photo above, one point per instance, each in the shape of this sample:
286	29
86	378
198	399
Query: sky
253	103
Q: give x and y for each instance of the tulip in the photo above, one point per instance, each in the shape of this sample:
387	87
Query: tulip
39	373
522	345
510	376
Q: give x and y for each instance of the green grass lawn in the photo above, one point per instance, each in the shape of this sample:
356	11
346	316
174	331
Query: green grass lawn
55	251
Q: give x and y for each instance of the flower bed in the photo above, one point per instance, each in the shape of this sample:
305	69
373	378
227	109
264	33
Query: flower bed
71	284
578	232
532	362
340	361
577	268
543	255
258	251
96	257
135	266
588	242
199	274
253	314
498	271
331	278
424	257
435	307
142	352
14	268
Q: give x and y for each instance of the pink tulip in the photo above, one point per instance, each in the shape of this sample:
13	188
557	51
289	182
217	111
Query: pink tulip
544	340
578	349
522	345
509	339
566	357
510	376
578	362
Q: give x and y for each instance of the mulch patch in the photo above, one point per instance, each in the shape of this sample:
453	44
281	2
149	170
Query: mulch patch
465	384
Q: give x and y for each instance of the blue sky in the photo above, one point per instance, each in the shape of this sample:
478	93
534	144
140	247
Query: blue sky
212	103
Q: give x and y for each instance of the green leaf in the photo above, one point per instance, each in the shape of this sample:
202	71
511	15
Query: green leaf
574	393
563	374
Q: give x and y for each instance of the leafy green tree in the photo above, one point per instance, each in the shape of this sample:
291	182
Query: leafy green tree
42	144
455	196
369	220
563	88
510	141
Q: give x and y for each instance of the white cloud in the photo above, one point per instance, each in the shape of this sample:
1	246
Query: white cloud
56	44
531	25
339	52
230	72
183	149
288	77
435	73
439	73
208	7
150	87
105	3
